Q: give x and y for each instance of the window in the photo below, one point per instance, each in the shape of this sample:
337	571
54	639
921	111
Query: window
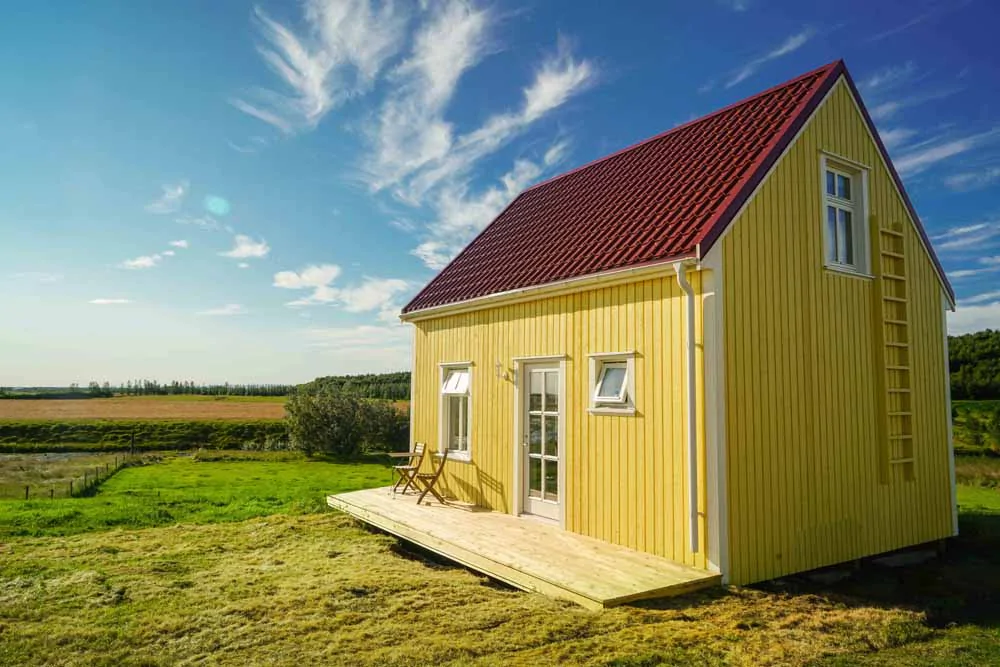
456	416
844	221
612	381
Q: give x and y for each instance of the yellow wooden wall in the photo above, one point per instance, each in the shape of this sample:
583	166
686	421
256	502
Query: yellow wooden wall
626	479
802	375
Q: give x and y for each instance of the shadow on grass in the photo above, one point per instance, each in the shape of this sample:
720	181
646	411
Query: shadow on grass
960	586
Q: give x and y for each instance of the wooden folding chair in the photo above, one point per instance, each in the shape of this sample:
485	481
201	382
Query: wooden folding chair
427	480
408	470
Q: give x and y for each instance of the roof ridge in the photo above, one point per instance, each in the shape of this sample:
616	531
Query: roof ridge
686	125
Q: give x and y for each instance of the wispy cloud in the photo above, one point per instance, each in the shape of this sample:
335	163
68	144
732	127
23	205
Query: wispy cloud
206	222
252	145
171	199
142	262
179	244
558	78
790	45
896	137
228	309
43	277
890	108
926	157
461	214
968	273
358	338
410	130
967	236
168	253
109	302
980	298
345	46
935	10
371	295
973	180
243	265
736	5
244	247
888	78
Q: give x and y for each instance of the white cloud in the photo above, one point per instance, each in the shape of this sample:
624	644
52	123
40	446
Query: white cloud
109	302
243	265
461	215
410	130
967	319
967	236
38	277
896	137
168	253
170	200
372	294
889	109
345	46
559	77
179	244
925	157
790	45
980	298
245	247
968	273
935	9
888	78
228	309
973	180
143	262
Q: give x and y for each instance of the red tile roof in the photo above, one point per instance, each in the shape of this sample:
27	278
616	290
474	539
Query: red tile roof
658	200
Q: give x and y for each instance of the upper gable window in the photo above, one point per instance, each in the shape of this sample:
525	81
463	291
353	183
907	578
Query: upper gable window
845	227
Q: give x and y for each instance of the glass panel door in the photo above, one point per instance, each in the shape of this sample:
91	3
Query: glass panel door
542	442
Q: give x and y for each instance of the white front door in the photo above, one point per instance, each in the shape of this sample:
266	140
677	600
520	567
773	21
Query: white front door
541	442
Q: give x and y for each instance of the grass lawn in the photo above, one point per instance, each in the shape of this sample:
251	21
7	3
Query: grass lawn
182	489
304	586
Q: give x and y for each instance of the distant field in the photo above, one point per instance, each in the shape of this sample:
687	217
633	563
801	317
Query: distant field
193	408
43	473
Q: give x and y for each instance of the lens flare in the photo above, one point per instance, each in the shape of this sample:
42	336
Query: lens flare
217	205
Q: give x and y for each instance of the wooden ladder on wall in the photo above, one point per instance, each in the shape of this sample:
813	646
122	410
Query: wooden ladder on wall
891	317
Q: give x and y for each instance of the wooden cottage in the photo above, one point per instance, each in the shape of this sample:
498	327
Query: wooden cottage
721	351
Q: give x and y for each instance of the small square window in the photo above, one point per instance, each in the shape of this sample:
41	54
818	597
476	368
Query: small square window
456	417
612	382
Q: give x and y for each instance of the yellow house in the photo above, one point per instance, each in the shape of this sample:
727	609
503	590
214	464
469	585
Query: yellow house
724	346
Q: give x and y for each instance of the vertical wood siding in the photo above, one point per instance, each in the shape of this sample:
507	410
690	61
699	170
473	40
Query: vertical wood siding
626	479
802	383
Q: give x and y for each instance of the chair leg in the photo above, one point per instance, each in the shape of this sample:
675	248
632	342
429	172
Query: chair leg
429	488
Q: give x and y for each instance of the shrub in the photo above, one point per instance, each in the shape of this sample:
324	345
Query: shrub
324	421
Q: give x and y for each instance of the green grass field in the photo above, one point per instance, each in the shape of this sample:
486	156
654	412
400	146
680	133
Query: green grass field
236	561
182	489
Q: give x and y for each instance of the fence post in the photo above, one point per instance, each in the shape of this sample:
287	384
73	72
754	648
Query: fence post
52	493
84	481
70	488
25	491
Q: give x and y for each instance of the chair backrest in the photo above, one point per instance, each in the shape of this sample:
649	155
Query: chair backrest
417	453
440	466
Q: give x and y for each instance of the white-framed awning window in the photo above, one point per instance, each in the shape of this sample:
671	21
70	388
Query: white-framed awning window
456	382
612	384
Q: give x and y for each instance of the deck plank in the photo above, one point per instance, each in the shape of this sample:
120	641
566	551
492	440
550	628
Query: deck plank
525	553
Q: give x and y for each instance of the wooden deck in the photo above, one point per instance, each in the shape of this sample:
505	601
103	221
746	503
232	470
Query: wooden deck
525	553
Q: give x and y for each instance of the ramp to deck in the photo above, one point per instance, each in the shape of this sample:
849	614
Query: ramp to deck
525	553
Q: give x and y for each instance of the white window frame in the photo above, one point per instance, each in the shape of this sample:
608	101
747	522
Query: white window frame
444	414
598	362
857	206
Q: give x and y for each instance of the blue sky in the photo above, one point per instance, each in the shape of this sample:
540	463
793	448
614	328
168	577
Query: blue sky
249	192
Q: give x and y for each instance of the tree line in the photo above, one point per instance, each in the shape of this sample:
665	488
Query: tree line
391	386
974	363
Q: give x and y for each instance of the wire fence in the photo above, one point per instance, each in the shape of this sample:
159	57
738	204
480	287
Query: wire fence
73	479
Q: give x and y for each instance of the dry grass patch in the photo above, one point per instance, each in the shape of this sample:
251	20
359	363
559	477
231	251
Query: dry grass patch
142	407
319	589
